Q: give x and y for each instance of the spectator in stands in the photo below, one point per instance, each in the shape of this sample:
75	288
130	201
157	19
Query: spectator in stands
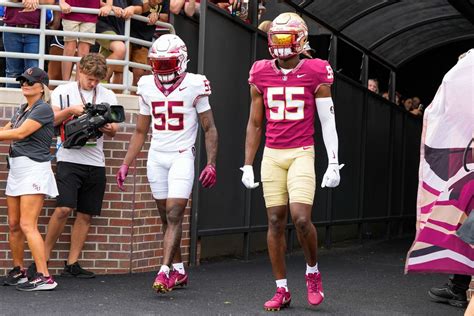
385	95
417	103
27	17
31	131
373	85
2	59
265	26
80	172
79	22
115	25
155	10
398	97
261	8
56	47
192	7
407	104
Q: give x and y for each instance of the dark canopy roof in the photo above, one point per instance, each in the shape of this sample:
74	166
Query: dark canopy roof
395	31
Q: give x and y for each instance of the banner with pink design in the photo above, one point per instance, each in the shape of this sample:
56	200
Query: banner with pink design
446	188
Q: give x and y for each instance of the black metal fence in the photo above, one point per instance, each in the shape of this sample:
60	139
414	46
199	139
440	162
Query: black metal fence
379	143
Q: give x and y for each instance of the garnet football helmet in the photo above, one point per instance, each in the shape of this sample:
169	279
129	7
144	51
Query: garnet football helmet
287	36
168	57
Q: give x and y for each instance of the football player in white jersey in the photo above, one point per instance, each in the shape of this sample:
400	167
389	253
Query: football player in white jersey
173	102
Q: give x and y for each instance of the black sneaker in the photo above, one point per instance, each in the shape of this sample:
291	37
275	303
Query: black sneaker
75	270
38	283
15	276
445	294
31	271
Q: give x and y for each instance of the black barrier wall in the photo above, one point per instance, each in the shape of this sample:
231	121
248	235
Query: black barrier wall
379	142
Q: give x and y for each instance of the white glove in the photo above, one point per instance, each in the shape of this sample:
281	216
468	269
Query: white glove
248	177
332	178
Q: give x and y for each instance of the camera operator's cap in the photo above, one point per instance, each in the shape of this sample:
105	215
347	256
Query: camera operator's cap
35	74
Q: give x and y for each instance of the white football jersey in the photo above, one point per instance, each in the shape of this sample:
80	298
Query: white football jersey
174	109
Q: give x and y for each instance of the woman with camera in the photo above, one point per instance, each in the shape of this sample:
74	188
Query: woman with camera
30	178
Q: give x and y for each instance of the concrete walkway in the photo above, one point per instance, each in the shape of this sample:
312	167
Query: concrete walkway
358	280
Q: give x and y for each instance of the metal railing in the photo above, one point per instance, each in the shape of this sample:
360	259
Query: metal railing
43	32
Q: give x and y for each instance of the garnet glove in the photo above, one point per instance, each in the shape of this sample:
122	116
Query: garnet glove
121	175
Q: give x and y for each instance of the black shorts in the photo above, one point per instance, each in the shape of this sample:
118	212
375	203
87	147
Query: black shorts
80	187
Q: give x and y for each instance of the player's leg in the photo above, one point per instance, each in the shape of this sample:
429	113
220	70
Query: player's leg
180	183
178	273
301	187
274	178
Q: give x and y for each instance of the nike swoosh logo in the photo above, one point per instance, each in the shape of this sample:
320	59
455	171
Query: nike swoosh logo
182	150
181	89
306	147
285	301
299	76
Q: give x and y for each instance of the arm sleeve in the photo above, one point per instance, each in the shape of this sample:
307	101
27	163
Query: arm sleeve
325	109
202	104
252	76
324	74
144	108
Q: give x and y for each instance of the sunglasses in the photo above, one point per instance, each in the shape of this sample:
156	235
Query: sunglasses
28	82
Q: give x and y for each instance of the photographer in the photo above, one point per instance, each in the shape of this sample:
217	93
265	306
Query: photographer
80	172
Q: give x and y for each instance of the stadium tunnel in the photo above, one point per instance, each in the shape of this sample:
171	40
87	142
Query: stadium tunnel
361	39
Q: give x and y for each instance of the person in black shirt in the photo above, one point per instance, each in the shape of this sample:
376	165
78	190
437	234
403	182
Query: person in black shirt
30	178
154	10
115	25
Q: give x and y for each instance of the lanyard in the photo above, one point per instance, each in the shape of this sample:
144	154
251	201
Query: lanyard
21	115
94	96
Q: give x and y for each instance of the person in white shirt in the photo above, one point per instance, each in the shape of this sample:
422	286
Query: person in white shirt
80	173
173	102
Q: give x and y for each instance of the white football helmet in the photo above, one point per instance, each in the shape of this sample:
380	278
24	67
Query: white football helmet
168	57
287	36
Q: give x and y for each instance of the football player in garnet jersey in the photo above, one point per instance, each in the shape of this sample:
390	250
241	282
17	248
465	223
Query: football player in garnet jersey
288	91
173	102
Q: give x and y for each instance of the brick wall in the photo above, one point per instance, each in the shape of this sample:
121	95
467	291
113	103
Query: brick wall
127	236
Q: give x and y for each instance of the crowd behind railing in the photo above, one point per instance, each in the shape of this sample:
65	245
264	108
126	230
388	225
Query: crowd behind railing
108	20
411	104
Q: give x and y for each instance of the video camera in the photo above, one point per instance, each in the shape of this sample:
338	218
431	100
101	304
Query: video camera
78	130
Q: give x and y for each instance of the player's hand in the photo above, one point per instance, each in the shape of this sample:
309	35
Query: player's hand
121	175
248	178
208	176
332	178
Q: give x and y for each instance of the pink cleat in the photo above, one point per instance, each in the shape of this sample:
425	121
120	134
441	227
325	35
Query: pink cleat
162	283
281	299
315	288
177	278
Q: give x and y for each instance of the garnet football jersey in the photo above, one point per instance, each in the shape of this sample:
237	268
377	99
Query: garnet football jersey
174	109
289	99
